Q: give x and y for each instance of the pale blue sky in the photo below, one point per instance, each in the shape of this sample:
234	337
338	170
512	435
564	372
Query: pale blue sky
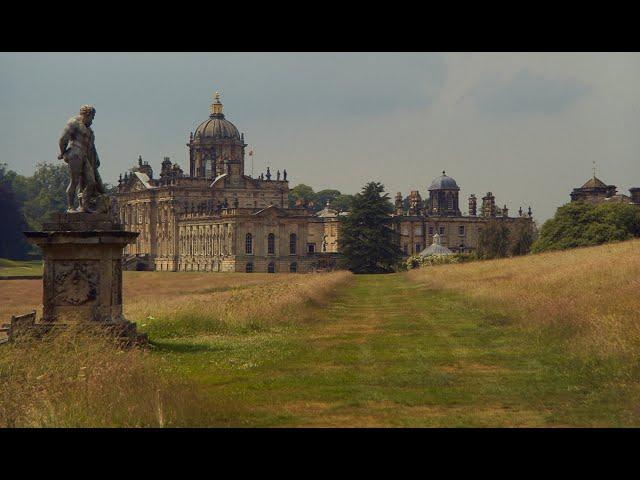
526	126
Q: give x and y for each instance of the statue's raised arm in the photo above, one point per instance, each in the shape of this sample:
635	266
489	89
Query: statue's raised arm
78	150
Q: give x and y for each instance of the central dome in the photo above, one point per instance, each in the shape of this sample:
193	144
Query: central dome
217	127
444	182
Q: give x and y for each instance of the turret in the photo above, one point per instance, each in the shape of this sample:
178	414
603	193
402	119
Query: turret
443	196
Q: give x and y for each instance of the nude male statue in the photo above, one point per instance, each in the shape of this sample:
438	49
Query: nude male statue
78	150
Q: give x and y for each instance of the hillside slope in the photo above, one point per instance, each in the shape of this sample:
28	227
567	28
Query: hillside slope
591	296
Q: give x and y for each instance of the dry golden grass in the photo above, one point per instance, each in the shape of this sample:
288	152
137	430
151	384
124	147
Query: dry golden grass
18	297
71	379
78	380
213	304
591	294
220	296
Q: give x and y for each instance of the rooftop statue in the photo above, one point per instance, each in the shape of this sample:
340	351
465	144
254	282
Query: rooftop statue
78	150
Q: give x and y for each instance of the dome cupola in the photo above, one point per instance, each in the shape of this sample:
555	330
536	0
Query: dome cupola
443	196
443	182
216	147
217	127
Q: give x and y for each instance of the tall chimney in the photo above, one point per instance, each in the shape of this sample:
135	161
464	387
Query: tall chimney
473	205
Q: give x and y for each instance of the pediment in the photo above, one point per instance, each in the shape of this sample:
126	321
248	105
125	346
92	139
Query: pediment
272	211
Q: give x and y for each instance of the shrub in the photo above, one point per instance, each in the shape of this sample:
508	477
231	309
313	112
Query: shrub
418	261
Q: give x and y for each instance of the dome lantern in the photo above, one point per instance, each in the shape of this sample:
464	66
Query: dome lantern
216	107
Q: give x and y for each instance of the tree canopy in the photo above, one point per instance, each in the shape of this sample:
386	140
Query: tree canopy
366	240
580	224
12	242
493	240
306	195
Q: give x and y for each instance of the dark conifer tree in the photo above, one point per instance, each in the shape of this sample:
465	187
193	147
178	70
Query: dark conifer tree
366	241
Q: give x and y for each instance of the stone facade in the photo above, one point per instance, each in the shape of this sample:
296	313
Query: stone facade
201	222
418	221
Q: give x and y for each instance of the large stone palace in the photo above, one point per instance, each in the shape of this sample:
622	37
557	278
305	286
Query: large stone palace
418	221
217	218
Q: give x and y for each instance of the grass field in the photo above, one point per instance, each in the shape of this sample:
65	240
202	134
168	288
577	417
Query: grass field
20	267
544	340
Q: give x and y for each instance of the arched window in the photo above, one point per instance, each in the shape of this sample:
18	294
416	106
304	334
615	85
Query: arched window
248	244
248	268
271	268
293	268
271	244
293	240
450	201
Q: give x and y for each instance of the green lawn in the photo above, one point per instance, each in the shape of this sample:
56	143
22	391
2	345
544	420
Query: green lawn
387	352
20	267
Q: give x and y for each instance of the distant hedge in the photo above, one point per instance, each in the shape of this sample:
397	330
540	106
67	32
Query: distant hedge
580	224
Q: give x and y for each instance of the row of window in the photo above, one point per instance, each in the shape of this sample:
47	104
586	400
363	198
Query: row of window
271	268
271	244
441	230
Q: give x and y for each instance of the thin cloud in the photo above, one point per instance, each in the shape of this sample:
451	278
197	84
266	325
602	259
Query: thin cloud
527	93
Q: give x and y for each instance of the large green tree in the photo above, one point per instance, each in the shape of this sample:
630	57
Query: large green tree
523	238
342	202
367	242
45	193
303	193
493	240
12	242
306	195
327	195
580	224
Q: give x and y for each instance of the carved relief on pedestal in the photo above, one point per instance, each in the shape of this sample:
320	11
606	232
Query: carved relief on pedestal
76	283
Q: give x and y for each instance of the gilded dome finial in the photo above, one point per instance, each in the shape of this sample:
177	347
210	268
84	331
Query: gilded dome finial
216	106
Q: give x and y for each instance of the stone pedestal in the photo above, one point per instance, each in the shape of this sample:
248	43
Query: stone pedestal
82	281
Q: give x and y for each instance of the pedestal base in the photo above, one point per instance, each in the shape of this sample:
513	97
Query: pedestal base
82	281
25	326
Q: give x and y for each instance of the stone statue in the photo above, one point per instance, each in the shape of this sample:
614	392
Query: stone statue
284	173
78	150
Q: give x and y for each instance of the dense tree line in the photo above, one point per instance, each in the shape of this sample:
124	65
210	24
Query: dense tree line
317	200
28	201
581	224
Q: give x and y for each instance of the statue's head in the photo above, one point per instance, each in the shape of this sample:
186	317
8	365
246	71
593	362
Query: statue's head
87	112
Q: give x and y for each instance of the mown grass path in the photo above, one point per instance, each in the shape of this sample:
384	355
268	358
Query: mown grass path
387	352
